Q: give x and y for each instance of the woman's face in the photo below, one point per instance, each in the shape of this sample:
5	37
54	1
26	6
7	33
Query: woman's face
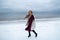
30	13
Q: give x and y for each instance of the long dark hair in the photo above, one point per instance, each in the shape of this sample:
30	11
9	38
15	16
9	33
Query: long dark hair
28	14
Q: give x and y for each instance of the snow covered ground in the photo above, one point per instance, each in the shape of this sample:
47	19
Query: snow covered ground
47	29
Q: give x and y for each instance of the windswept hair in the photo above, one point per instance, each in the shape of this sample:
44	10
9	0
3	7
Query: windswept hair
28	14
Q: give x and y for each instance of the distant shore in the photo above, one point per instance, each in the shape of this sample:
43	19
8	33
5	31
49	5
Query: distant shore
24	20
12	19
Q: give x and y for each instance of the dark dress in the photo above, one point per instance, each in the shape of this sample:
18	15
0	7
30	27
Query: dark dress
30	20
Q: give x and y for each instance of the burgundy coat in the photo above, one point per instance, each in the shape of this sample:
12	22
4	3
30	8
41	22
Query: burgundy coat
30	20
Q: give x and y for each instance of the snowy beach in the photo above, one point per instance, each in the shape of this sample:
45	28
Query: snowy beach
47	29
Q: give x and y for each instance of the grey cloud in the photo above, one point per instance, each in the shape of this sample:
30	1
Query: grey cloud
35	5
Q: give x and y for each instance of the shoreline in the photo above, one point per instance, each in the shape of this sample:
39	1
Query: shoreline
21	20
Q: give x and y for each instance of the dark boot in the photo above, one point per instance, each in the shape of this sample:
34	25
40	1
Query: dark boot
34	33
29	34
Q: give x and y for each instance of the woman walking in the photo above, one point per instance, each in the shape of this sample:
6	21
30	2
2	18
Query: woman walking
30	23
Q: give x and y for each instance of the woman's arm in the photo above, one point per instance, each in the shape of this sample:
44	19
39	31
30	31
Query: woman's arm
26	23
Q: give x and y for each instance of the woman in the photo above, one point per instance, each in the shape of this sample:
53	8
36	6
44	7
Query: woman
30	23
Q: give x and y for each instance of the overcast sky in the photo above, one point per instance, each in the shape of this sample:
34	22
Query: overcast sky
36	5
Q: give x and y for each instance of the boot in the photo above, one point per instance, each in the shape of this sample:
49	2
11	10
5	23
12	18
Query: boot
35	33
29	35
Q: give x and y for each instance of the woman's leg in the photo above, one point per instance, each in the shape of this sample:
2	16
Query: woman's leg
29	34
34	33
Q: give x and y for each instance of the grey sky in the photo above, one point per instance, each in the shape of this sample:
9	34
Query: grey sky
37	5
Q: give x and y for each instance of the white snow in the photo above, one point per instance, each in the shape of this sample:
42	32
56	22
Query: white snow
47	30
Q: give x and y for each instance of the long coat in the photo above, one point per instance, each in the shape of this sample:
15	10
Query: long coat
31	23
